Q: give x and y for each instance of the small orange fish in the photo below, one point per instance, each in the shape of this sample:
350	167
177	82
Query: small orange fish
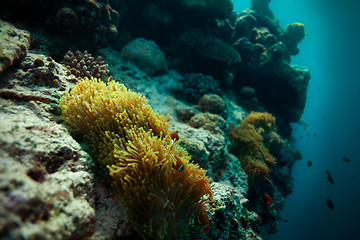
174	135
269	201
203	220
179	166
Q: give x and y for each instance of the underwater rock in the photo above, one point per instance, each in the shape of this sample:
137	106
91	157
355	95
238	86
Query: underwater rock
262	7
145	54
213	103
248	100
211	122
36	83
14	44
66	20
208	149
210	46
263	36
289	100
251	52
51	195
54	193
293	34
244	24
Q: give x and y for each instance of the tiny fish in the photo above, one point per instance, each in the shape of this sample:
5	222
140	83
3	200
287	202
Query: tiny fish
269	201
179	165
345	159
323	118
314	135
330	204
285	220
309	163
330	179
174	135
203	220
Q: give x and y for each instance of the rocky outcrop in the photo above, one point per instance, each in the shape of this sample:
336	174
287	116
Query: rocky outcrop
14	44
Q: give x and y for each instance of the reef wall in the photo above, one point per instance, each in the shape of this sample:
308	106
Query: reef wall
223	78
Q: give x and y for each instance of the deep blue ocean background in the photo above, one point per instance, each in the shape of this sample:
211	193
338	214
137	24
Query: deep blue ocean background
331	50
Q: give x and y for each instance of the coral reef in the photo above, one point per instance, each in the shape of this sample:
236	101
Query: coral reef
85	65
206	70
135	145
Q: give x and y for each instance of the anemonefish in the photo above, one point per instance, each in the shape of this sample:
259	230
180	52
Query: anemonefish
269	201
203	219
179	165
174	135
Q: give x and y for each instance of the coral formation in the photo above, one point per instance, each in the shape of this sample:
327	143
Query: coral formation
213	103
146	55
135	145
210	46
248	143
195	85
211	122
85	65
247	99
293	34
66	20
262	7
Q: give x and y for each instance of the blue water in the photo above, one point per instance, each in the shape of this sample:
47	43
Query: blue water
331	50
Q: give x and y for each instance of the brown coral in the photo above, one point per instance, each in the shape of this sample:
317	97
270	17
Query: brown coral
135	145
85	65
249	145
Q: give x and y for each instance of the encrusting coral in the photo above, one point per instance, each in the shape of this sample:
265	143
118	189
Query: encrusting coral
249	141
135	145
